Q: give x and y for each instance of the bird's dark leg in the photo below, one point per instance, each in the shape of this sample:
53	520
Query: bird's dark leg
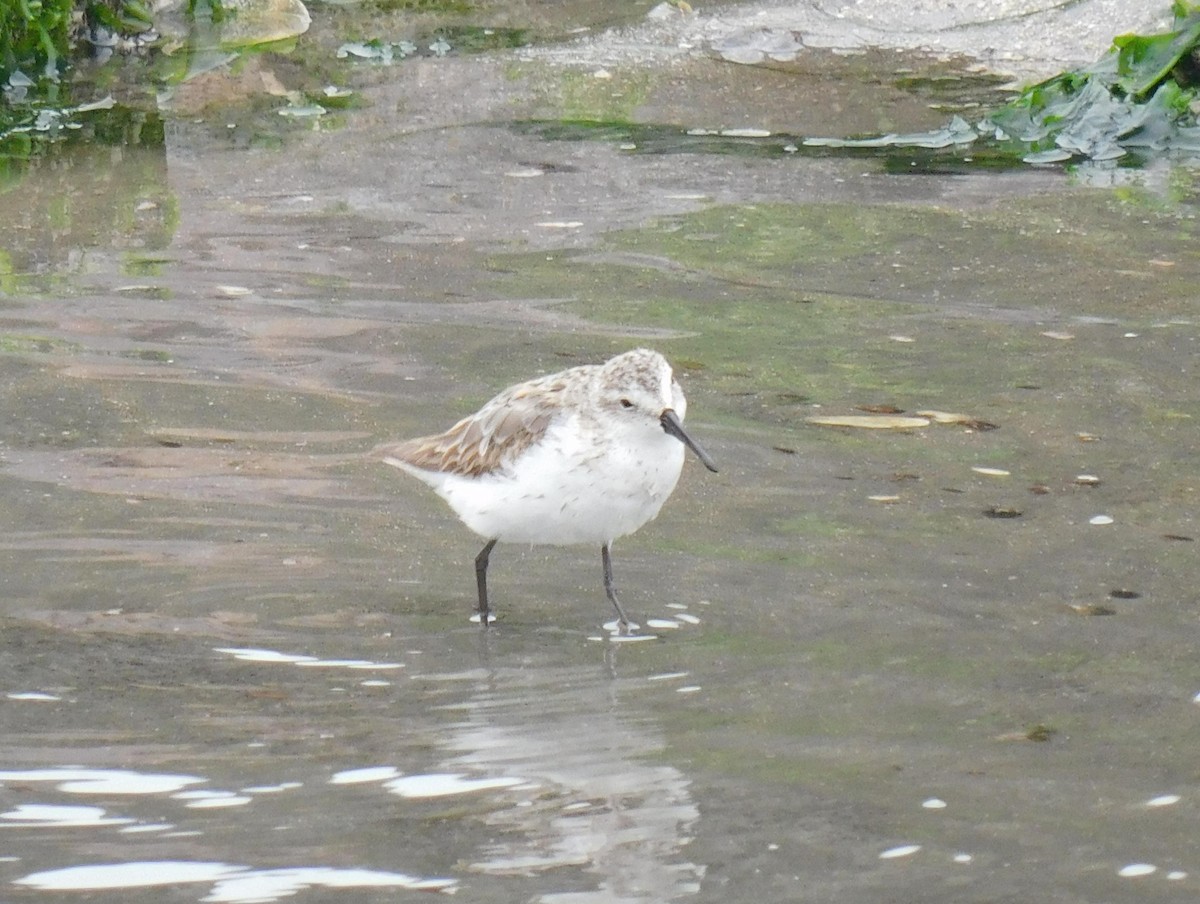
481	564
606	559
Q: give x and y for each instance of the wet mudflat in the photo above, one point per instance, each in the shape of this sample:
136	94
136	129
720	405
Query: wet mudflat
955	662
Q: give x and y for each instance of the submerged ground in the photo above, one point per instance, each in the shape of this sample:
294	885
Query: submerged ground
952	663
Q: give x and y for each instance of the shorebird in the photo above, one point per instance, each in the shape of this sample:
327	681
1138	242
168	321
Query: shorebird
586	455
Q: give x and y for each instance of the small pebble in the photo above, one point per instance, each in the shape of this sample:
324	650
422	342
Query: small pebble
904	850
1091	609
1002	511
1100	519
934	803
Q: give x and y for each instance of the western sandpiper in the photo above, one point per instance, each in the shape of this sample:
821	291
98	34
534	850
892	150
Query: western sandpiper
582	456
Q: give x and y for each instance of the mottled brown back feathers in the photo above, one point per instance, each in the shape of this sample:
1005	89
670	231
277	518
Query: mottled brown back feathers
488	440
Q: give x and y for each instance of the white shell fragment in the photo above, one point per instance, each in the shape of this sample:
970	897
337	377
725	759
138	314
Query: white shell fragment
934	803
1134	870
943	417
904	850
871	421
955	418
746	133
1163	800
1100	519
991	472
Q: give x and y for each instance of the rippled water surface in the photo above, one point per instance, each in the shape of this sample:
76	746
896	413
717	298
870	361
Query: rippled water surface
955	662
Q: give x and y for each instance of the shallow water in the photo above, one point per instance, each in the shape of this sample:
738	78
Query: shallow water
236	656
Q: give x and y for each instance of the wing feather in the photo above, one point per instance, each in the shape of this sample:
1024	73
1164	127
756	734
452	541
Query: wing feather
490	439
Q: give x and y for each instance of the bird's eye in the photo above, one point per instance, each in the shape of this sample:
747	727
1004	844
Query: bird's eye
625	403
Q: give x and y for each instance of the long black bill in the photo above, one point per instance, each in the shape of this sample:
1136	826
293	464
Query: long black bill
671	423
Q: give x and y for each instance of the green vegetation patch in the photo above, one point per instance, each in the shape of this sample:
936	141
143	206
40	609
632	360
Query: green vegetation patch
1136	103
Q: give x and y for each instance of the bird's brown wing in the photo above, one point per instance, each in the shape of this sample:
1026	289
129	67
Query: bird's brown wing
491	438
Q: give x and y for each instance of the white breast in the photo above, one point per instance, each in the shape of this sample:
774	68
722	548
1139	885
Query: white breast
573	486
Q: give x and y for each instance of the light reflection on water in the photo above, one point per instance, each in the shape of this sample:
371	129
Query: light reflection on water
300	659
561	794
605	805
230	883
103	781
179	463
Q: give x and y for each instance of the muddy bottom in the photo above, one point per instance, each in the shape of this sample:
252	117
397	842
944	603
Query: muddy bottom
951	662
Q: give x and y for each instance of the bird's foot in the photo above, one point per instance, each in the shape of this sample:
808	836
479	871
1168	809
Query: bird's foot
619	628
